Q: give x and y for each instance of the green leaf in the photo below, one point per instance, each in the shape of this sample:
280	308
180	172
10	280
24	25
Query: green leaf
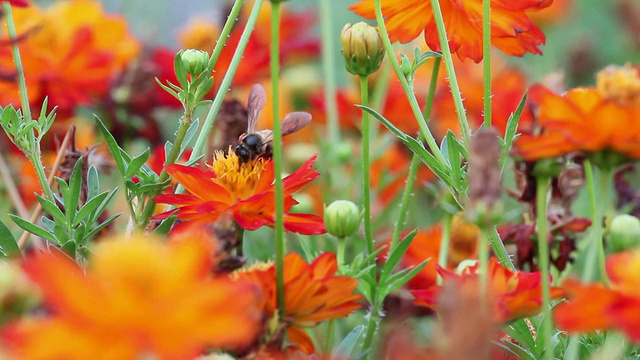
35	230
520	352
93	232
89	207
114	149
510	134
8	244
168	89
181	72
188	136
344	350
396	255
165	225
519	331
96	213
402	277
136	163
441	170
75	186
93	183
52	209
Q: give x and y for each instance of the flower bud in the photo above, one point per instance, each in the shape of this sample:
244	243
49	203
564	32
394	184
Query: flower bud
362	48
194	61
405	65
624	233
342	218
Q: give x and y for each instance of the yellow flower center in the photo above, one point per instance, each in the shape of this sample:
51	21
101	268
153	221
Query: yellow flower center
620	84
239	179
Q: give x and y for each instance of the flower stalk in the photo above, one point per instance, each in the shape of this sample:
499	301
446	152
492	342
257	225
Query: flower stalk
486	59
597	203
277	153
542	185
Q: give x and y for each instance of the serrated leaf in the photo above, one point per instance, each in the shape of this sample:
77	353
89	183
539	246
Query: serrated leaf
344	350
136	163
35	230
396	255
114	149
8	244
52	209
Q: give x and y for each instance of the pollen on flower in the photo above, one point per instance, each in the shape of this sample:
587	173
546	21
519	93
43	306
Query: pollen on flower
620	84
239	179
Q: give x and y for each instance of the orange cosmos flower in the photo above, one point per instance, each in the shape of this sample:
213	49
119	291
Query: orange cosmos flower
596	307
139	298
313	294
511	30
243	191
517	294
70	53
594	119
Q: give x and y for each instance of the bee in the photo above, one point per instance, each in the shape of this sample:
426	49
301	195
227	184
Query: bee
258	144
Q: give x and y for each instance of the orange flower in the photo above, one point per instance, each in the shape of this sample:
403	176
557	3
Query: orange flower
594	119
426	245
243	191
595	307
313	294
139	298
511	30
517	294
70	53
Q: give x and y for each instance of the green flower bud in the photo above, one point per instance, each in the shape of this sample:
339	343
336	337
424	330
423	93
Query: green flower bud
342	218
194	61
406	65
362	48
624	233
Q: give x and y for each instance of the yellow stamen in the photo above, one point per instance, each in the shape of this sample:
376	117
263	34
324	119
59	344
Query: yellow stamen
620	84
238	179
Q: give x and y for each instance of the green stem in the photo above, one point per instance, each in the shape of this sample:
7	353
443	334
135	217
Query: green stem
499	250
150	205
33	154
595	253
483	259
443	254
543	264
453	81
331	331
340	250
415	107
329	70
366	189
486	59
226	30
415	161
225	84
277	154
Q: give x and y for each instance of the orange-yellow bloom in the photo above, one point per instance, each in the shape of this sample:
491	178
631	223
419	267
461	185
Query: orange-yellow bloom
70	53
593	119
243	191
597	307
511	30
138	298
313	293
516	294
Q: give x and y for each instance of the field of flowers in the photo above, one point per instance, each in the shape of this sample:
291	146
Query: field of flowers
317	179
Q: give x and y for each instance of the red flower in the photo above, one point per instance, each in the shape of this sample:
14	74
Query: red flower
595	307
511	30
516	294
243	191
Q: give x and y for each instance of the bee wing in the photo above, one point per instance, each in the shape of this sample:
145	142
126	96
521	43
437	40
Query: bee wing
295	121
266	135
255	104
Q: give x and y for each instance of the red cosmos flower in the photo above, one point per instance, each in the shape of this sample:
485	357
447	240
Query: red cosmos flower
511	30
596	307
592	119
243	191
516	294
313	294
